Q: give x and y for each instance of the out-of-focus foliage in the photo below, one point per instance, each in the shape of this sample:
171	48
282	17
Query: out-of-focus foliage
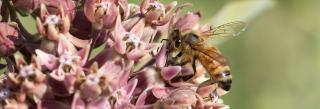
276	61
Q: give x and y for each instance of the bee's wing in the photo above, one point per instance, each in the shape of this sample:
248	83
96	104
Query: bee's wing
210	52
227	30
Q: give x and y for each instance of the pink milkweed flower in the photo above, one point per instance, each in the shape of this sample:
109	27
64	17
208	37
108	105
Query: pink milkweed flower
102	13
68	6
29	81
7	36
130	43
157	13
65	67
57	25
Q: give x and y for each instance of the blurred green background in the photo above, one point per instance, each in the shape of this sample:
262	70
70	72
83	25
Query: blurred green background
276	61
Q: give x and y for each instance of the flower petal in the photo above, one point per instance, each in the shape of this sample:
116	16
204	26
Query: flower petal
84	53
188	22
136	54
170	72
161	57
161	92
77	102
49	60
64	45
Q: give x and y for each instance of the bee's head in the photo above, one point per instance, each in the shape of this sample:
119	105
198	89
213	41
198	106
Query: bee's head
175	39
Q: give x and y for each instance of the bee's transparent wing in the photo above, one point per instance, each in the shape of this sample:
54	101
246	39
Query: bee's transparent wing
227	30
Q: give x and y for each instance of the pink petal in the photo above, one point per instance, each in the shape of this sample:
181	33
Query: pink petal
120	46
69	82
53	33
206	88
89	7
77	42
64	45
124	7
99	103
130	87
49	60
77	102
144	6
136	54
161	57
129	23
152	16
161	92
138	28
170	72
188	22
110	17
184	97
40	26
151	46
58	75
84	53
142	99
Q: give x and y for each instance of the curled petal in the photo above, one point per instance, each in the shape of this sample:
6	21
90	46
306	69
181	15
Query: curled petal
188	22
161	92
130	87
64	45
49	60
136	54
84	53
77	102
53	33
77	42
184	97
110	16
40	26
206	90
144	6
161	57
151	46
89	9
154	15
100	103
170	72
138	28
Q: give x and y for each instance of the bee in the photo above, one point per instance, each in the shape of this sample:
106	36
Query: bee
196	45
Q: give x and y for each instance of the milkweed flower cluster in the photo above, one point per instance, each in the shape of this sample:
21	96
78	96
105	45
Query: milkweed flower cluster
56	68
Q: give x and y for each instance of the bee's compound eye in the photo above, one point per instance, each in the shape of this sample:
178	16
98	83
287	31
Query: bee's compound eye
177	42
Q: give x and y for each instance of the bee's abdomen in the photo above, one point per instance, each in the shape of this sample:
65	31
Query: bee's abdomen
225	80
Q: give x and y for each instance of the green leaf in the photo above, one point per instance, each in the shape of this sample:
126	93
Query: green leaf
241	10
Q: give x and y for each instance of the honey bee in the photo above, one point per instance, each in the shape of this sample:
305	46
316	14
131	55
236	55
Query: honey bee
195	45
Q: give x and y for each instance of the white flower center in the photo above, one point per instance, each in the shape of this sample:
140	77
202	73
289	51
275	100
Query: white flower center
157	5
4	93
134	39
104	5
92	79
52	19
67	58
27	71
